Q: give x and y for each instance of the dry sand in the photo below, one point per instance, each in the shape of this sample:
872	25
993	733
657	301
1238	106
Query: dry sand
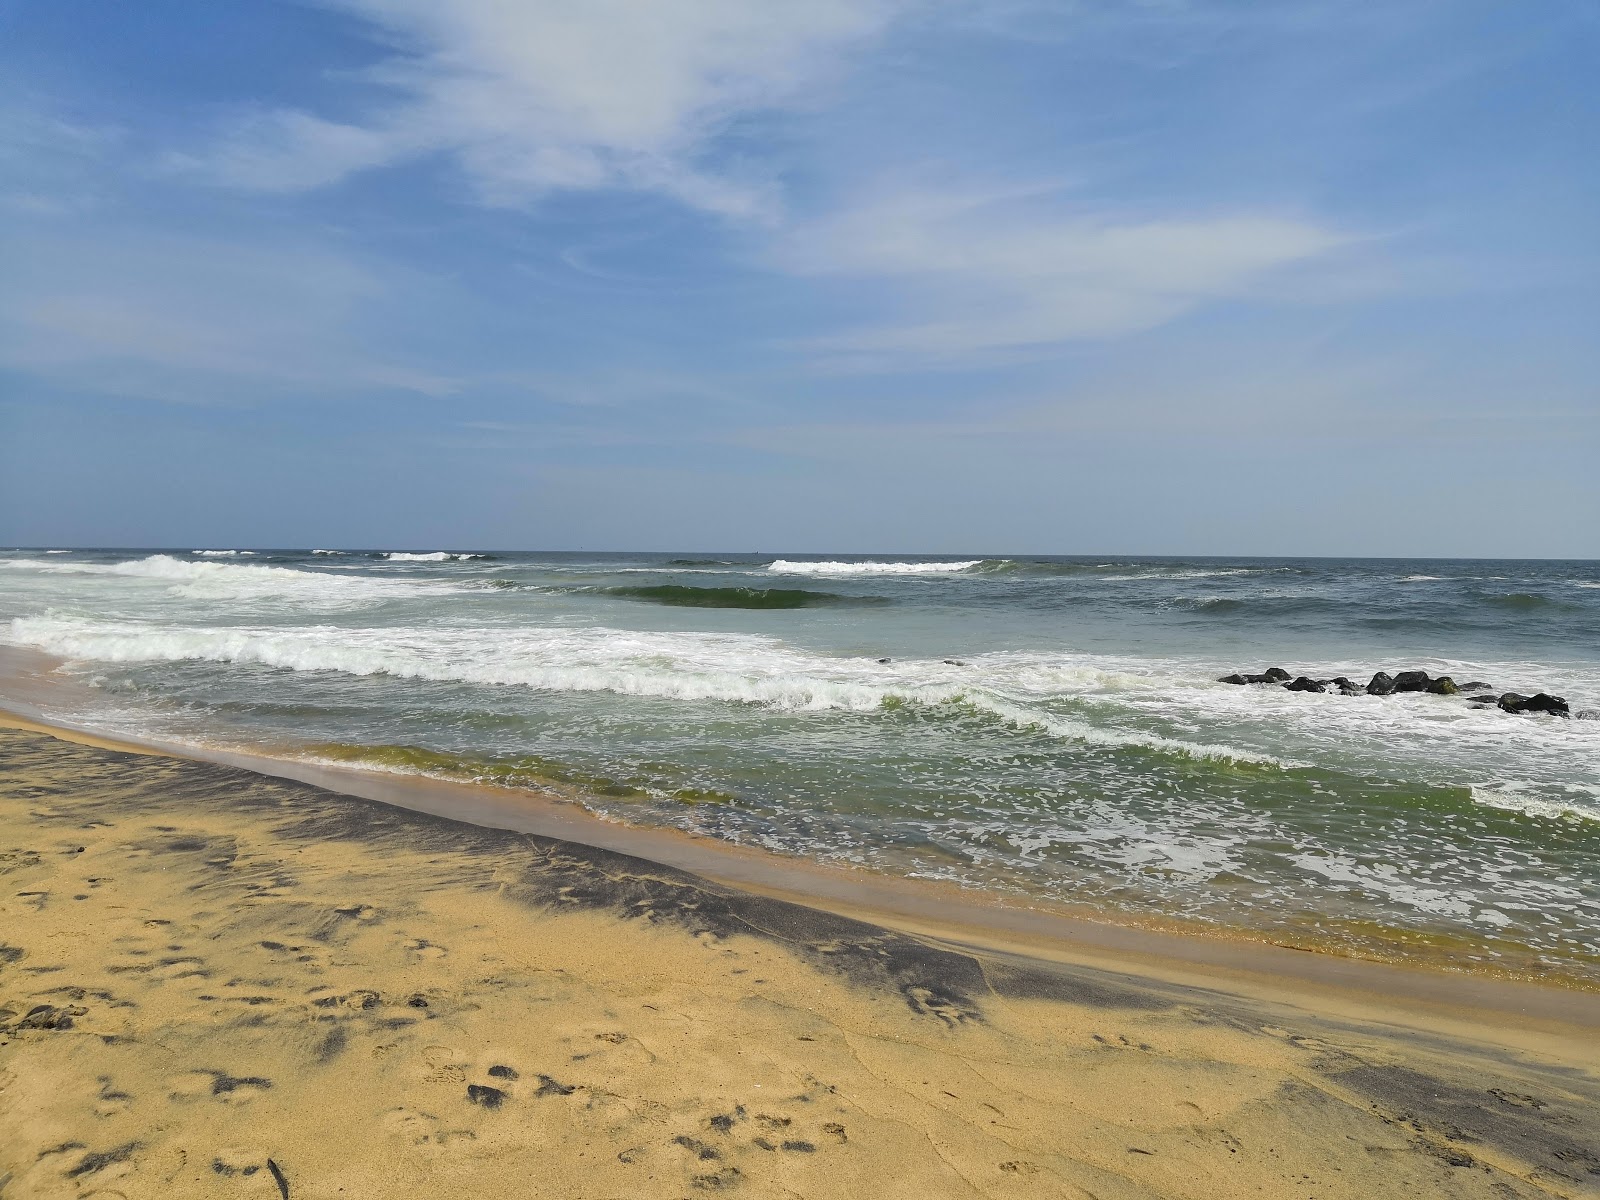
214	983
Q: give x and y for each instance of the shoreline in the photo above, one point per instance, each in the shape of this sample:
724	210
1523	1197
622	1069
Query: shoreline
951	915
206	969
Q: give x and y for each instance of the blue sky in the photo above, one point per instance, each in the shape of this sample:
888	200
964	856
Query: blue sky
1139	276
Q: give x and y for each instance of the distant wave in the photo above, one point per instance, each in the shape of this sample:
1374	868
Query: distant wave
735	597
1115	572
435	556
1522	601
222	553
327	552
239	582
699	562
784	566
734	668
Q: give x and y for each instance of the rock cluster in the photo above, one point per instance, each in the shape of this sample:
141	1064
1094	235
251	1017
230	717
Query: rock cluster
1384	684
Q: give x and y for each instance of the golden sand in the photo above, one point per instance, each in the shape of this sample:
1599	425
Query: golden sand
214	983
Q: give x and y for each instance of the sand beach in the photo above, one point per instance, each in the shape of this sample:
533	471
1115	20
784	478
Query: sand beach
214	982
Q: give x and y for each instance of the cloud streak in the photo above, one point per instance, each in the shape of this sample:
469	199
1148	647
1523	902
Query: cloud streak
531	96
980	272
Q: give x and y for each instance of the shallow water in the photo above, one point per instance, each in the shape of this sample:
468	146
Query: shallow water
1050	727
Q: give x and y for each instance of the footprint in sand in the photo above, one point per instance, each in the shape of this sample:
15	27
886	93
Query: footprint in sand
219	1085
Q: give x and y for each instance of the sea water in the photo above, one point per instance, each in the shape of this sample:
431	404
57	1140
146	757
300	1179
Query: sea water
1043	727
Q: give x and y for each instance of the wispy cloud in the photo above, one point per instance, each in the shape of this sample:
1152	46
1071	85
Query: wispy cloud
1002	270
191	319
534	95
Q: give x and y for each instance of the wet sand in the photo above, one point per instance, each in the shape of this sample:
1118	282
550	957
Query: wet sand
215	982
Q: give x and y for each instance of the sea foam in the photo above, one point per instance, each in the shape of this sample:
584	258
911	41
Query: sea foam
735	668
434	556
784	566
240	582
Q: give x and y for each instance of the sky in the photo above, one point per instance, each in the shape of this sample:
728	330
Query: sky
939	276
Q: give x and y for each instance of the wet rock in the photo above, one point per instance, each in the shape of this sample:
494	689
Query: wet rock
1477	686
1234	678
1275	675
1539	702
1443	686
1382	684
500	1071
485	1096
1306	684
1346	688
1412	681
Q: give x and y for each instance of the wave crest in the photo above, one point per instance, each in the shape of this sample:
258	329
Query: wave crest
783	566
732	668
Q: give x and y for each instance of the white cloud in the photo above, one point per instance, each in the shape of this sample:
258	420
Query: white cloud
1004	270
534	95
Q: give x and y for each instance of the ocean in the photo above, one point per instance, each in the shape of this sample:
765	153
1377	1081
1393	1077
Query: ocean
1047	728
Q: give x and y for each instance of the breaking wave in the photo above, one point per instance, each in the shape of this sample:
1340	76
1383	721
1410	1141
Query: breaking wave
434	556
242	582
783	566
733	668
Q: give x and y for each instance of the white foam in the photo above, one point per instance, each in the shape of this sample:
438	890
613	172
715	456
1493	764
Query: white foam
1579	800
327	552
784	566
1419	578
737	668
58	551
435	556
237	582
222	553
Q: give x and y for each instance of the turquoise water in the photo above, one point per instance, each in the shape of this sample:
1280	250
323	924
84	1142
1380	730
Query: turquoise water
1047	727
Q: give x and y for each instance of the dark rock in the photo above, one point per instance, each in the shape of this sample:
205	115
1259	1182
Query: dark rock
1275	675
503	1072
1443	686
1476	686
1305	684
1412	681
1382	684
1346	688
886	660
1540	702
1234	678
954	662
488	1097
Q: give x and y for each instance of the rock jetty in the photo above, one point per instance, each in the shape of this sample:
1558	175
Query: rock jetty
1384	684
